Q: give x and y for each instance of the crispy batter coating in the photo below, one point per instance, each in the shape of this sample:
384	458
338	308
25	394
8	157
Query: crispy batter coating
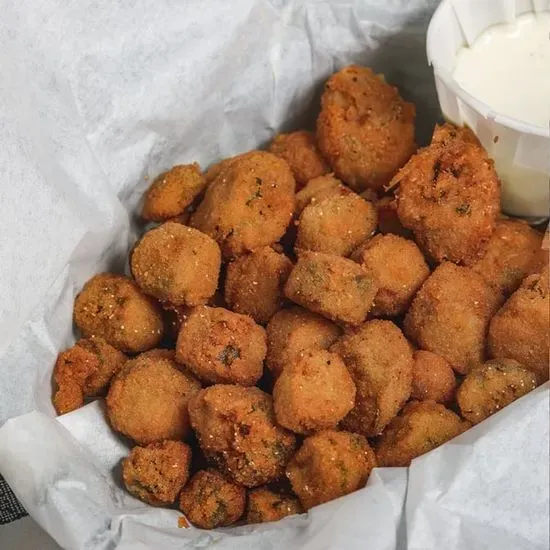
219	346
236	430
318	189
215	169
365	129
177	264
446	133
254	283
172	192
520	328
541	261
249	204
334	287
293	331
449	196
156	473
147	400
491	387
336	225
398	266
112	307
329	465
380	361
83	371
513	250
265	505
388	220
421	427
433	378
209	500
313	393
300	151
450	315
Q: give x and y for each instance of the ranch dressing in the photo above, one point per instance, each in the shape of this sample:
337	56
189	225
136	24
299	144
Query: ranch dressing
508	68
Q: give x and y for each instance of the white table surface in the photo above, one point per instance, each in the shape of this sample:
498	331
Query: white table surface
25	534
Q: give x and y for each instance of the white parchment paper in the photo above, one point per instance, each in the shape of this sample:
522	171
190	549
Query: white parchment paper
96	97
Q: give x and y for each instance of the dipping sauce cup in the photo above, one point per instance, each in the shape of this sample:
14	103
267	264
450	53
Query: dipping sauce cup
521	150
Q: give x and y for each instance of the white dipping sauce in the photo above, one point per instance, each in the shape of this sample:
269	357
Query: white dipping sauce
508	68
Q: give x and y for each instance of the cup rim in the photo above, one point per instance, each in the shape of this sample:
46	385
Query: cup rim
480	106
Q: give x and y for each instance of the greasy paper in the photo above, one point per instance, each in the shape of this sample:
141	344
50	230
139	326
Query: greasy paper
96	99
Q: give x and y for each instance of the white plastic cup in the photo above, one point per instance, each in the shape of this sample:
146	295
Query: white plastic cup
521	151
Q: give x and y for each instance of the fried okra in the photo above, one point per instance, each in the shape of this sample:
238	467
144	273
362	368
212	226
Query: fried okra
421	427
399	268
254	283
336	225
313	393
219	346
365	129
147	400
248	205
300	151
433	378
450	315
491	387
177	264
449	196
172	192
334	287
292	332
328	465
520	329
512	251
237	432
265	505
209	500
319	189
84	371
380	361
112	307
156	473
